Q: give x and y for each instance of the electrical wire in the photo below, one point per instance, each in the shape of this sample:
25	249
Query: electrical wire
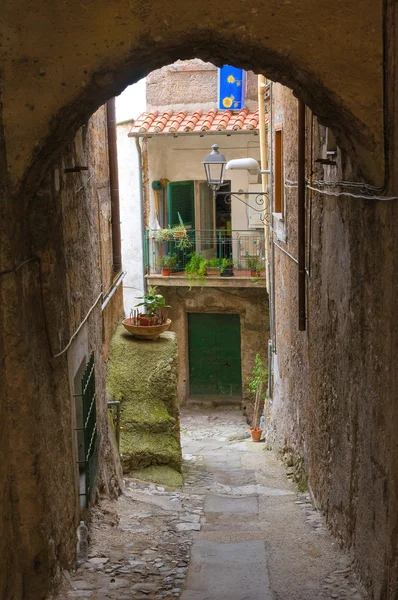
16	269
79	328
293	184
37	259
350	194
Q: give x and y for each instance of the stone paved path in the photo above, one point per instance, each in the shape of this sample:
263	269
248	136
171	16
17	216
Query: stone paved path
237	530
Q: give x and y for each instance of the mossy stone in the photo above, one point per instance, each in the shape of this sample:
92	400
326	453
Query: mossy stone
142	375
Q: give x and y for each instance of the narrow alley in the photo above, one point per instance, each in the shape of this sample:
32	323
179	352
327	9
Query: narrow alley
237	530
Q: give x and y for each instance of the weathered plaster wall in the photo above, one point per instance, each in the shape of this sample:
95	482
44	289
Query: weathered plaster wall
130	216
335	394
54	75
190	85
42	305
252	306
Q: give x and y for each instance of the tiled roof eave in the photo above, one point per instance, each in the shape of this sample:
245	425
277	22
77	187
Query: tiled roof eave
227	132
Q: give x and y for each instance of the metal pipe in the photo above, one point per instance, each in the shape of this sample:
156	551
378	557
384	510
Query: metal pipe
114	288
114	185
301	215
272	249
270	354
264	168
141	197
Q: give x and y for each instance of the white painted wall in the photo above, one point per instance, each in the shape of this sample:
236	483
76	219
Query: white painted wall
129	105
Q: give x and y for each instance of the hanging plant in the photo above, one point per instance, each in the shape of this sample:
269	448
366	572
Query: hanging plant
195	269
180	235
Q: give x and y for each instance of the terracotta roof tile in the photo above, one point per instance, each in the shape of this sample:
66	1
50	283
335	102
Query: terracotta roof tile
176	121
159	124
192	120
182	122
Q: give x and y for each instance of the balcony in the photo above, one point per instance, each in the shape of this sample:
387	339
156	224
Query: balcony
205	258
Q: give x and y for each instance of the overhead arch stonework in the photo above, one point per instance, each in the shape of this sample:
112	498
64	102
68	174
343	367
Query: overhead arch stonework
61	60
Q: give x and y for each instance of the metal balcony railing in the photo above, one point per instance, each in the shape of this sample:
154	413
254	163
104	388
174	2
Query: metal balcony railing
219	251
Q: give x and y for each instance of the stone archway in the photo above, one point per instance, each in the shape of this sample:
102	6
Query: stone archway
63	60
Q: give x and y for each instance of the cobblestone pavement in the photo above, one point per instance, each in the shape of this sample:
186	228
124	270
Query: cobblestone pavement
236	530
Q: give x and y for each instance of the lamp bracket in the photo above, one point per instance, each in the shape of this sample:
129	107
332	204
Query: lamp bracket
260	198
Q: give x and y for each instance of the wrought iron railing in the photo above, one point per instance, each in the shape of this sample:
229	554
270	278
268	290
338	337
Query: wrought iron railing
239	250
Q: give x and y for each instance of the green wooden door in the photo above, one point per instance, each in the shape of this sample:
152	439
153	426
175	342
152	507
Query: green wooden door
214	355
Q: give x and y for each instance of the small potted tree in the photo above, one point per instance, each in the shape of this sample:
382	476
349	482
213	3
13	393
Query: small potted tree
257	384
167	264
255	265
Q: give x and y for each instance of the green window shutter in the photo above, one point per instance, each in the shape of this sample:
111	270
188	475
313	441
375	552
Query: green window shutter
181	199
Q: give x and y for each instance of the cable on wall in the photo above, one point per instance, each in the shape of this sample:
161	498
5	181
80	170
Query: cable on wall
293	184
37	259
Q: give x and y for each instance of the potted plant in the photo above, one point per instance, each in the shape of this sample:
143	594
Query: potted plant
153	304
167	263
213	266
180	235
195	269
257	383
227	267
255	265
153	322
163	235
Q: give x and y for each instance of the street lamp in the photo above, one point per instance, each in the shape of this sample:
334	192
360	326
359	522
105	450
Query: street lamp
214	164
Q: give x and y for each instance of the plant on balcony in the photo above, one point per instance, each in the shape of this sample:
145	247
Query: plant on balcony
167	263
227	267
196	269
178	234
213	266
255	265
164	235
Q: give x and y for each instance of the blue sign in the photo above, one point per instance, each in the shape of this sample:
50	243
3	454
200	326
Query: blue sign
231	88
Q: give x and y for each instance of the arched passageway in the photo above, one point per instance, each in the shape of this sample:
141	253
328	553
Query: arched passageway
60	62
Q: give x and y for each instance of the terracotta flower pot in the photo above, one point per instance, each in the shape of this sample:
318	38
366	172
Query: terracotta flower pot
213	271
256	432
253	273
166	272
147	321
151	332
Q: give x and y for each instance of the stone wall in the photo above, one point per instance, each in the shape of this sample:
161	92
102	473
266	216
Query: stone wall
42	304
252	306
50	87
335	389
190	85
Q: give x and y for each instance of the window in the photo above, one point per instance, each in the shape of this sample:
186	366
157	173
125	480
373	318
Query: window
278	172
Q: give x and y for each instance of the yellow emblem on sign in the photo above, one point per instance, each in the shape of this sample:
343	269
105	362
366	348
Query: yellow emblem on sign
228	101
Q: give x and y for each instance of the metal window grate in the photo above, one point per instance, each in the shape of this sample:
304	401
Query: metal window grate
90	431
